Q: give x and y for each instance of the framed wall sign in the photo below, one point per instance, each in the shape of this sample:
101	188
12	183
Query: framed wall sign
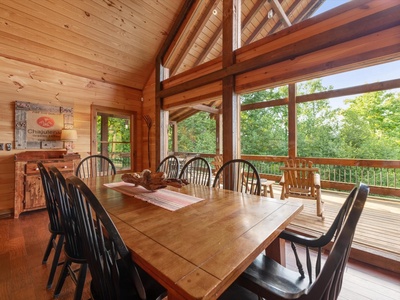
39	126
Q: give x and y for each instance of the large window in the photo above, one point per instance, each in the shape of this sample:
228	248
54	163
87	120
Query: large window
114	136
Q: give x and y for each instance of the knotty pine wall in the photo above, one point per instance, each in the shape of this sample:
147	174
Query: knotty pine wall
26	82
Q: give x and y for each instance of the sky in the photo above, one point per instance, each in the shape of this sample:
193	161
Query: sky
372	74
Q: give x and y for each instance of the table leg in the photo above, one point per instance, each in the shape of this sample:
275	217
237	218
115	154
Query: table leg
276	251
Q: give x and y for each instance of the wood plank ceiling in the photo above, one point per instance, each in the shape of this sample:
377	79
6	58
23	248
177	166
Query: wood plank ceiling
117	41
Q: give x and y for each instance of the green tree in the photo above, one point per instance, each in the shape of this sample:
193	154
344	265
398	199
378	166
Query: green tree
370	126
317	123
264	131
197	134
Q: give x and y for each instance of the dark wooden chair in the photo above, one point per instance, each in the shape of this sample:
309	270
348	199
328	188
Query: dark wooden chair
300	179
95	165
268	279
56	240
197	170
170	166
73	247
114	274
318	242
238	175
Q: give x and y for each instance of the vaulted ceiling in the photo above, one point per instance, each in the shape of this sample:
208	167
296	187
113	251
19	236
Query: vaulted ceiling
117	41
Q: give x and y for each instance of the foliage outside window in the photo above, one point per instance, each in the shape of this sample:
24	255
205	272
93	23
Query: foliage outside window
366	127
265	131
196	134
113	139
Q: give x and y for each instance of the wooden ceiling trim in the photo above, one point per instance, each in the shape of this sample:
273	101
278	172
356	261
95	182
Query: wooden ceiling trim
289	49
193	36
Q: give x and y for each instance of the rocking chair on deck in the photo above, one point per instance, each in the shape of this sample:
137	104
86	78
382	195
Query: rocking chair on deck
300	179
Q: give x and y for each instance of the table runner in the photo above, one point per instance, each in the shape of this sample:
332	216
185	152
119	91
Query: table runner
163	198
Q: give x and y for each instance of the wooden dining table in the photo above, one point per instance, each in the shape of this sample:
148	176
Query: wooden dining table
197	251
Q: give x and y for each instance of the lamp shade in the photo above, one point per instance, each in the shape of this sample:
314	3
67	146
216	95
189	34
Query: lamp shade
69	135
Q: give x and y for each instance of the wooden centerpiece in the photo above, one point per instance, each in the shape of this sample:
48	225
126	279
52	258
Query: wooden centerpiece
152	181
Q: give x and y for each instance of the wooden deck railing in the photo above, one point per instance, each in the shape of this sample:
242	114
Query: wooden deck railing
383	176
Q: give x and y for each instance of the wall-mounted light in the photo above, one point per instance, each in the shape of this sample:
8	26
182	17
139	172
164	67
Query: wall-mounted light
68	136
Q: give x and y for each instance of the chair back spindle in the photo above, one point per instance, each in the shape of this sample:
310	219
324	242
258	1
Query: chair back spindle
95	165
170	166
238	175
197	170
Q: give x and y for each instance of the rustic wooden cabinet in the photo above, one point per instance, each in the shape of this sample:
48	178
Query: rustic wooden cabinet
29	193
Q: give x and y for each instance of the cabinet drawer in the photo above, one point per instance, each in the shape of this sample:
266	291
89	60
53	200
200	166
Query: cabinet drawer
62	166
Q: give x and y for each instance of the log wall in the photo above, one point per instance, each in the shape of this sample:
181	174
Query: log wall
26	82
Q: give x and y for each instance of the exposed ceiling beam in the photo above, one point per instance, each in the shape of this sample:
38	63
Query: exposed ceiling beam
206	108
280	12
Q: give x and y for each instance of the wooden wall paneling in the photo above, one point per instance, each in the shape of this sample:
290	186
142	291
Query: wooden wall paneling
26	82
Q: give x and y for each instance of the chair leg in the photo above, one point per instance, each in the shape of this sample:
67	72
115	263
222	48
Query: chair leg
283	193
55	260
61	279
49	247
81	282
320	203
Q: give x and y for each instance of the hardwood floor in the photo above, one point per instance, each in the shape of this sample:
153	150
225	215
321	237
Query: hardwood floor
22	275
22	245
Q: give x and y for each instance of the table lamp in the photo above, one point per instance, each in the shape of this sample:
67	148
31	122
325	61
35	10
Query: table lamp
68	136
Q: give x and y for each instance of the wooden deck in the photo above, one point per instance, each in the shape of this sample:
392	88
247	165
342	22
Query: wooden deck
377	237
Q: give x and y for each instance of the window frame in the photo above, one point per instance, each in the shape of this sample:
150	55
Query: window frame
115	112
